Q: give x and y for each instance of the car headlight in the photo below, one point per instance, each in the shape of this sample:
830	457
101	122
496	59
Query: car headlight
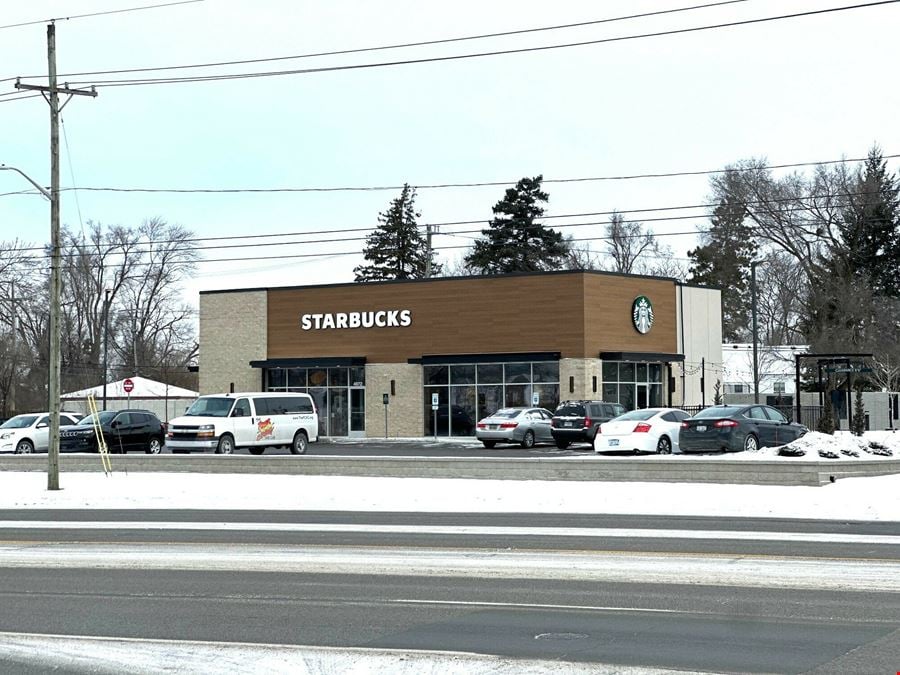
206	431
5	435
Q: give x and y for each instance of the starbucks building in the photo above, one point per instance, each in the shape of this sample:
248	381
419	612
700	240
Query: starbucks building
403	358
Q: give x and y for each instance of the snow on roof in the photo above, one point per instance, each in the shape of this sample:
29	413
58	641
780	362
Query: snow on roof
143	388
774	361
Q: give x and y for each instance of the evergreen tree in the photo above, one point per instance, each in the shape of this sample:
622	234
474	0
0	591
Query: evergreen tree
870	229
724	261
514	240
826	420
397	249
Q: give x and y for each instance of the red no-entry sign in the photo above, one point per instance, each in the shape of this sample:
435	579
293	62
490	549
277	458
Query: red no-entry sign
128	385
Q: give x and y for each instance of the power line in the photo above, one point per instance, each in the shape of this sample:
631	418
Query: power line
140	247
92	14
483	221
456	57
440	186
402	45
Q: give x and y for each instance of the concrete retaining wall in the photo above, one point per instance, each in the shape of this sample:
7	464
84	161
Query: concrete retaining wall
785	472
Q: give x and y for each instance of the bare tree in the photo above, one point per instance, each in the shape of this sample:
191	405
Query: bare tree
626	242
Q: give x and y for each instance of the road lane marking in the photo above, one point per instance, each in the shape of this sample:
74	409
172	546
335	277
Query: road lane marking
459	530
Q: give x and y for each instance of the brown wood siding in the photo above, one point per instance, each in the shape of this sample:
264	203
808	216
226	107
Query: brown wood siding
475	316
608	322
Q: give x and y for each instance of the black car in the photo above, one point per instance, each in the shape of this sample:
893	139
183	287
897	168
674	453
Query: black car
737	427
578	421
123	430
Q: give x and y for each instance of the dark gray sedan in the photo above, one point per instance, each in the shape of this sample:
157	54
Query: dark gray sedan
737	427
525	426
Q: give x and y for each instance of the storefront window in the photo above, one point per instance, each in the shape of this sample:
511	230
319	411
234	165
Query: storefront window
436	375
634	385
462	374
341	409
517	372
490	373
296	377
473	392
276	377
545	371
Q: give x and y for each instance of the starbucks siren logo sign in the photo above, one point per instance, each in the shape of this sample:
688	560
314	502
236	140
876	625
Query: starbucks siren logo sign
642	314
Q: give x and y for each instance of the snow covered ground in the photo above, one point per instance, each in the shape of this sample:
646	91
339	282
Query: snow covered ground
873	498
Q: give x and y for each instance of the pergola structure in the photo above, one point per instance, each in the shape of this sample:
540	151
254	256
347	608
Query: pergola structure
849	367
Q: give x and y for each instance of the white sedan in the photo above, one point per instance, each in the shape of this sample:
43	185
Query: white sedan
647	430
24	434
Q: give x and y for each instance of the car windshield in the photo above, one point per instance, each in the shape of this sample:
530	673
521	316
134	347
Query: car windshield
637	415
105	417
507	412
210	407
19	422
719	411
570	410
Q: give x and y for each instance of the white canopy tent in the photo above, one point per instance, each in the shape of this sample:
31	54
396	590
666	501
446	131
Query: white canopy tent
164	399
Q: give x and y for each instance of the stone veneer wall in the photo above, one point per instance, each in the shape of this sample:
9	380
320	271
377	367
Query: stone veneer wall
405	411
583	370
233	332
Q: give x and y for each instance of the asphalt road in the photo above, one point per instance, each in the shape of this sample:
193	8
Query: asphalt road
144	583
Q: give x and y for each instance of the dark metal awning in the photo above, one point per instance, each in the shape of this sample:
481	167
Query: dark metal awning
642	357
505	357
314	362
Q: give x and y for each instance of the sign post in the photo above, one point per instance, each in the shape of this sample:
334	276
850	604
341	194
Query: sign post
386	399
128	386
434	407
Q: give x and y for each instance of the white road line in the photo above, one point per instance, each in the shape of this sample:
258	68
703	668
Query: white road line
600	566
475	530
533	605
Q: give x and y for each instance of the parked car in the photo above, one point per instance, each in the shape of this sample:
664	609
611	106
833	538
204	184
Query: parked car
647	430
525	426
737	427
123	430
578	421
24	434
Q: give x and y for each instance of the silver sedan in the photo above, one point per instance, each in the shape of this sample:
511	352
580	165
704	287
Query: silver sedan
525	426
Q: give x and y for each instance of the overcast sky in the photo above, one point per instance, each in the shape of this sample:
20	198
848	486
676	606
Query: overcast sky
805	89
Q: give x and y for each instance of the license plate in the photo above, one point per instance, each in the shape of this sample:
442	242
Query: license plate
568	424
613	442
493	427
702	427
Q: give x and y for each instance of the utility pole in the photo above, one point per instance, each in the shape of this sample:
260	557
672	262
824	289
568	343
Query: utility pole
105	342
753	265
51	95
15	350
429	251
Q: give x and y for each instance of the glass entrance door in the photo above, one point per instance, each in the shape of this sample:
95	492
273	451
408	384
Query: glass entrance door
357	413
337	411
641	396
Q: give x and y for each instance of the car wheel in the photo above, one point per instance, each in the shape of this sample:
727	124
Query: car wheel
562	445
528	439
298	447
24	447
489	444
154	447
256	451
226	445
664	446
751	443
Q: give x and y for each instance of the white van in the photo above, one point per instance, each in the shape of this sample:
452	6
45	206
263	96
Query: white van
256	421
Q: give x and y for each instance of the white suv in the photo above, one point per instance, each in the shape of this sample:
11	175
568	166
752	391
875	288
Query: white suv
24	434
256	421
